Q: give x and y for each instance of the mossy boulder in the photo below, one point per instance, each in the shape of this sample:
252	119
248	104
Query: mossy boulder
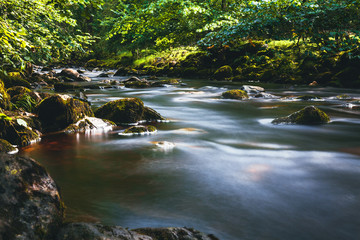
309	115
127	110
161	83
140	130
137	84
4	97
235	94
223	72
16	131
31	207
6	147
59	111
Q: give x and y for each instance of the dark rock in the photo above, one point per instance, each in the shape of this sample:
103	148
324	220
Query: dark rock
30	202
46	69
161	83
308	97
309	115
137	84
13	91
6	147
59	111
62	87
134	79
121	72
223	73
83	79
175	233
80	71
235	94
69	73
102	75
128	110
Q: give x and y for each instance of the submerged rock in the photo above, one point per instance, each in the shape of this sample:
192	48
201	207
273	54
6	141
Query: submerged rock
59	111
127	110
308	97
309	115
30	202
6	147
235	94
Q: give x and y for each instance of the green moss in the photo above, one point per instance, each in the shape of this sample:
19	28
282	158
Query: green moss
343	97
128	110
137	130
223	72
4	97
235	94
6	147
137	84
309	115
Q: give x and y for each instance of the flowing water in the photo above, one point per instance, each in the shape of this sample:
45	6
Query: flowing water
219	166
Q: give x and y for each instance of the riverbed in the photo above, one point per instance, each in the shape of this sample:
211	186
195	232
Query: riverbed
217	165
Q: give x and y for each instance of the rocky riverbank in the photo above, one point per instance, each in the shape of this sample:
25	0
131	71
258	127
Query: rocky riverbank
32	208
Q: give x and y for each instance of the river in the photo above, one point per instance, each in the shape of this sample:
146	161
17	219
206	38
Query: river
223	168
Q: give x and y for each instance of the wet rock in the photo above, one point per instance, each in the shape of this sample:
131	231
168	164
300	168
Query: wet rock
59	111
46	69
309	115
30	202
313	84
161	83
137	84
62	87
265	95
83	79
17	131
343	97
151	115
90	124
127	110
4	97
308	97
69	73
140	130
175	233
223	73
235	94
121	72
6	147
252	89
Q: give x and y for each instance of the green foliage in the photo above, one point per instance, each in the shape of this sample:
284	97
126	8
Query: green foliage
37	31
26	103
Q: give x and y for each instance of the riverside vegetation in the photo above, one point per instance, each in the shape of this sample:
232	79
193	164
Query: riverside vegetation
311	42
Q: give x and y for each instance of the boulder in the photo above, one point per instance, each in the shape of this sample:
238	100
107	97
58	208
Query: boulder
161	83
16	131
309	115
127	110
6	147
121	72
252	89
235	94
4	97
140	130
151	115
69	73
101	75
90	124
223	73
30	202
307	97
59	111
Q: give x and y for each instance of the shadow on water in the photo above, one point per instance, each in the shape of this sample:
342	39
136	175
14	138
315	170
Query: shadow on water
222	167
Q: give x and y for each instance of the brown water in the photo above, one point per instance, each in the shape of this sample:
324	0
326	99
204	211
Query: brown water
231	172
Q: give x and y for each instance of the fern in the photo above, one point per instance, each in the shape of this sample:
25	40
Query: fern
26	103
